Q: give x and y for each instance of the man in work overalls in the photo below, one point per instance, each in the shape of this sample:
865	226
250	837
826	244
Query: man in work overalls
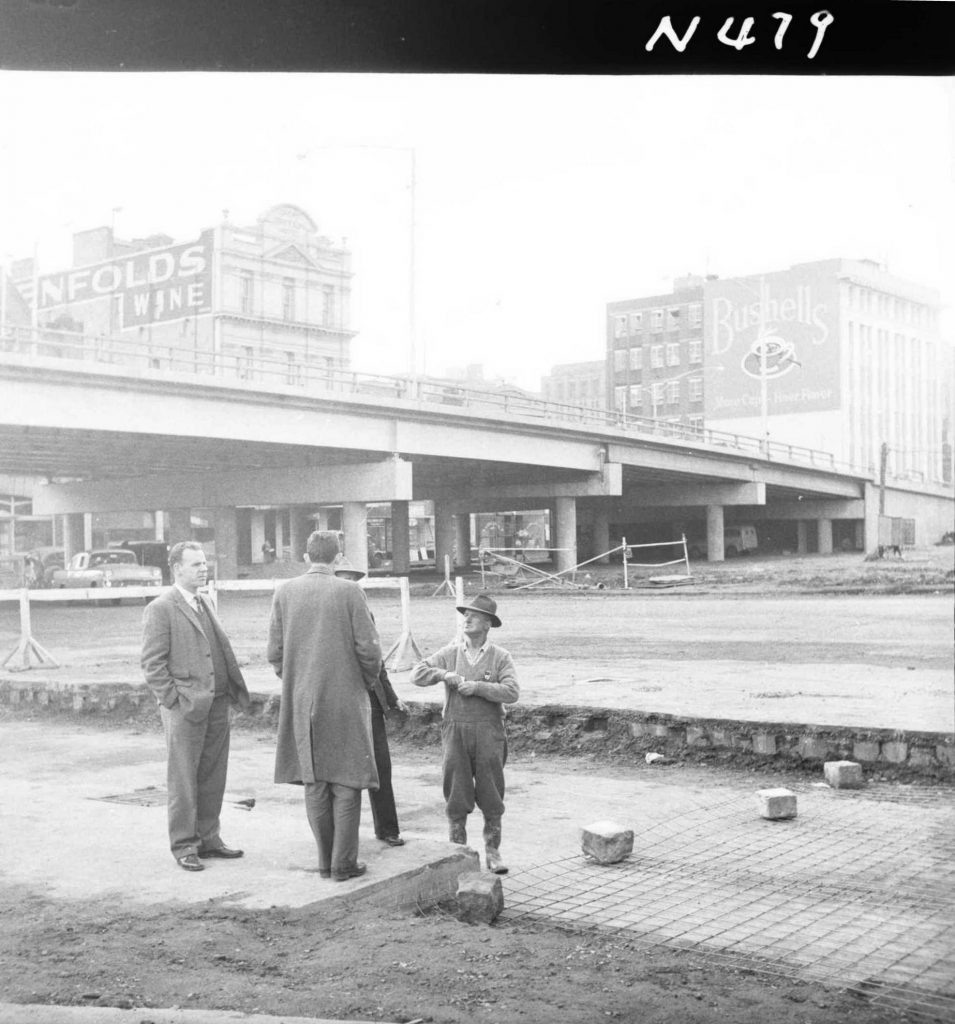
479	679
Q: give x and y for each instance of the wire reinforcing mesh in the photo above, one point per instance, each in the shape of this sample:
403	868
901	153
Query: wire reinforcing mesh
855	892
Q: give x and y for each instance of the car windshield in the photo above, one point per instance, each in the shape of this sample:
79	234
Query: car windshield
112	558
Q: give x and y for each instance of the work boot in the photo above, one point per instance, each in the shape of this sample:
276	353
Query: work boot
457	831
492	843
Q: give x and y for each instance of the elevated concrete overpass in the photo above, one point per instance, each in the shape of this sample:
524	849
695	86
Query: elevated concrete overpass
130	437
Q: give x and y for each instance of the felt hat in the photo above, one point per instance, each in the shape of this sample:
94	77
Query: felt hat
345	569
482	603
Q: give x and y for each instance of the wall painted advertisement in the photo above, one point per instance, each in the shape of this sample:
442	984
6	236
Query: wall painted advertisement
156	285
784	325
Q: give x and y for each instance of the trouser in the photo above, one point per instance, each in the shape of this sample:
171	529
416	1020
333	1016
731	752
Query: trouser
474	757
383	810
198	758
333	812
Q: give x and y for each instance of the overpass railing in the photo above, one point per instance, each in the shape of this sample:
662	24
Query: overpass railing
241	364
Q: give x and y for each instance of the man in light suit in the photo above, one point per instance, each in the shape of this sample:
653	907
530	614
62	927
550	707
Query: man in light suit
191	668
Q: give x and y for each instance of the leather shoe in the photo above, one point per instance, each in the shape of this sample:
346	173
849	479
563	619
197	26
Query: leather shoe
392	840
190	863
221	851
343	874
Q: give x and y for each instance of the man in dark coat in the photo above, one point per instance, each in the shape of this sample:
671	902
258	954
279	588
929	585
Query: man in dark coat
384	813
190	667
324	646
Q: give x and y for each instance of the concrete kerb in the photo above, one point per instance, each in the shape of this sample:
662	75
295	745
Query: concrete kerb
43	1013
564	729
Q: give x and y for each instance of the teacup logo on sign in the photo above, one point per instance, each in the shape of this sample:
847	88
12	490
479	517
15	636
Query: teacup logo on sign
779	355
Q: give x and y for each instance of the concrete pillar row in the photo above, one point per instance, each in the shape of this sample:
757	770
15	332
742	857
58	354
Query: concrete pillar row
400	538
355	528
279	534
226	528
462	540
802	536
87	530
825	536
444	535
601	535
566	533
715	551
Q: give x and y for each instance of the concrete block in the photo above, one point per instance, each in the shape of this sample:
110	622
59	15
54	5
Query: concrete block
814	748
945	754
639	729
480	898
776	804
764	743
921	757
895	751
866	750
696	736
843	774
606	841
661	730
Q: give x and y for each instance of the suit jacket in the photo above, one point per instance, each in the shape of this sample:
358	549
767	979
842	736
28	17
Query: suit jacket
324	645
177	656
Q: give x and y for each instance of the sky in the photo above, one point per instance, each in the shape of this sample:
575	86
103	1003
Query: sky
537	199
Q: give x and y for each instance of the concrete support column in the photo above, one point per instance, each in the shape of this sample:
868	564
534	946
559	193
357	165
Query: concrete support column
74	535
279	535
859	534
226	529
87	530
444	535
355	528
802	537
871	518
179	524
322	522
400	539
566	533
601	535
462	540
257	525
159	525
299	529
715	552
824	527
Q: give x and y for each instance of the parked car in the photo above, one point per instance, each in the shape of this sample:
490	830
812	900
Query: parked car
737	540
113	567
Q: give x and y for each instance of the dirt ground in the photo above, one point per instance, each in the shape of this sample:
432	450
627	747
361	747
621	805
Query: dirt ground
430	967
380	966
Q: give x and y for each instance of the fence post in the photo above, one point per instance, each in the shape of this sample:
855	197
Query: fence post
27	645
458	601
404	652
623	540
445	585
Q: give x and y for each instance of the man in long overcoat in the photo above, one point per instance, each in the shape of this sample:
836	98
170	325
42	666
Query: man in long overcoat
191	668
324	646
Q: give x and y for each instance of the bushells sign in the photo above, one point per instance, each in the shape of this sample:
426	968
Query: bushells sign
793	317
155	285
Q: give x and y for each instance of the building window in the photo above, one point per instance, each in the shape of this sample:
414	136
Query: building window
620	398
673	392
329	310
656	320
695	310
657	393
673	318
620	359
636	322
696	350
695	422
243	363
696	389
293	372
636	359
656	356
673	353
619	326
288	298
636	396
246	291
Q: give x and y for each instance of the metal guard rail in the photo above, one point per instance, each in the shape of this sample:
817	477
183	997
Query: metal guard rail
153	358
